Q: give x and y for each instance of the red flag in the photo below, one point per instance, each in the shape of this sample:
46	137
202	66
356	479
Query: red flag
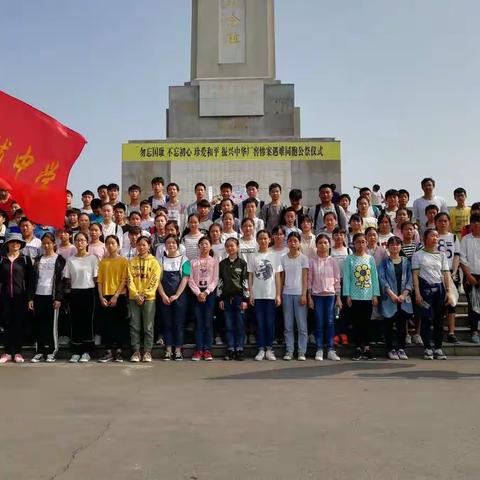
36	155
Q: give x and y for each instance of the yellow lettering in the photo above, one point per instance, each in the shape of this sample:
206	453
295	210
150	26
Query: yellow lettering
233	38
48	174
22	162
4	148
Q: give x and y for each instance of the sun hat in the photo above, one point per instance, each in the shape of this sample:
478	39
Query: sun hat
15	237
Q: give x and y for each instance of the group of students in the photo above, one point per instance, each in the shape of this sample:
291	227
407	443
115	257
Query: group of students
245	272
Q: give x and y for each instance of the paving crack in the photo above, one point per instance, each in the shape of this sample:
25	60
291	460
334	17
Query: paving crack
77	451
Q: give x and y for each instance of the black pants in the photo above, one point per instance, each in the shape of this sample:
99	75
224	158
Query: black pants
14	313
360	315
473	317
399	321
115	323
82	309
434	295
45	325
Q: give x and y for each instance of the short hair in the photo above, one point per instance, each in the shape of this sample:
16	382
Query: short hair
24	220
145	202
226	200
260	232
363	197
161	214
324	185
363	190
113	186
102	187
459	191
295	194
475	206
439	215
108	204
226	185
332	214
427	232
157	180
345	195
114	237
245	220
252	183
307	218
426	180
333	186
431	207
357	236
143	237
321	236
407	224
356	217
161	208
290	209
391	193
370	229
339	230
384	216
134	187
88	192
173	184
48	235
232	239
69	191
135	212
215	224
175	224
475	218
251	200
394	241
120	206
135	230
274	185
376	187
402	191
203	203
3	214
175	237
74	211
96	203
277	228
199	184
294	235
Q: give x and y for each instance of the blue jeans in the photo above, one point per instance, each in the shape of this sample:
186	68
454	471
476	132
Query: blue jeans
265	314
234	323
323	307
173	321
204	318
293	311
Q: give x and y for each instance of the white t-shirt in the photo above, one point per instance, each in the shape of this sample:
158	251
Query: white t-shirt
46	274
449	244
160	252
219	251
264	266
293	268
32	248
430	265
81	271
339	255
225	236
421	203
112	229
247	248
383	239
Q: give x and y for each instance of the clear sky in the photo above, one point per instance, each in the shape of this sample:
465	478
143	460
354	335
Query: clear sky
396	82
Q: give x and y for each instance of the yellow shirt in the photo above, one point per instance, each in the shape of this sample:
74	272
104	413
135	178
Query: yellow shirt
111	273
143	277
459	217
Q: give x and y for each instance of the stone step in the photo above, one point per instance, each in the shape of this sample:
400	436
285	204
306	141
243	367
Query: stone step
413	351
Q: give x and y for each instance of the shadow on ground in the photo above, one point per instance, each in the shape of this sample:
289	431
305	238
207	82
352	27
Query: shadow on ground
360	370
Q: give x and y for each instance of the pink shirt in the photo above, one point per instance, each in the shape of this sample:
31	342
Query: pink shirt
323	276
204	274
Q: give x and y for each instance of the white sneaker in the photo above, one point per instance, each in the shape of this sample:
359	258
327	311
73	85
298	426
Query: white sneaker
37	358
311	338
301	357
260	355
270	355
439	355
85	358
428	354
74	358
417	339
218	340
98	340
408	339
393	355
319	355
50	358
402	355
288	356
160	341
332	355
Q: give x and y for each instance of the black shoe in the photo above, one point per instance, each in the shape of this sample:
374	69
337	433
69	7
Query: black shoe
119	356
108	357
357	355
368	355
230	355
239	356
451	338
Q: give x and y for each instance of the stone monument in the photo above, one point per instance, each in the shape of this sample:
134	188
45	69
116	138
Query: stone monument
233	121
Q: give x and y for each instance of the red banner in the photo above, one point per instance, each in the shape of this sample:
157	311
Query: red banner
36	155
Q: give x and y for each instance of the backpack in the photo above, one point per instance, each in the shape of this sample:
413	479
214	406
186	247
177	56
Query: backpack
317	211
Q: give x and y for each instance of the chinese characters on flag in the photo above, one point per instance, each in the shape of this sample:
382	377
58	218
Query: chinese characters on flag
36	155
